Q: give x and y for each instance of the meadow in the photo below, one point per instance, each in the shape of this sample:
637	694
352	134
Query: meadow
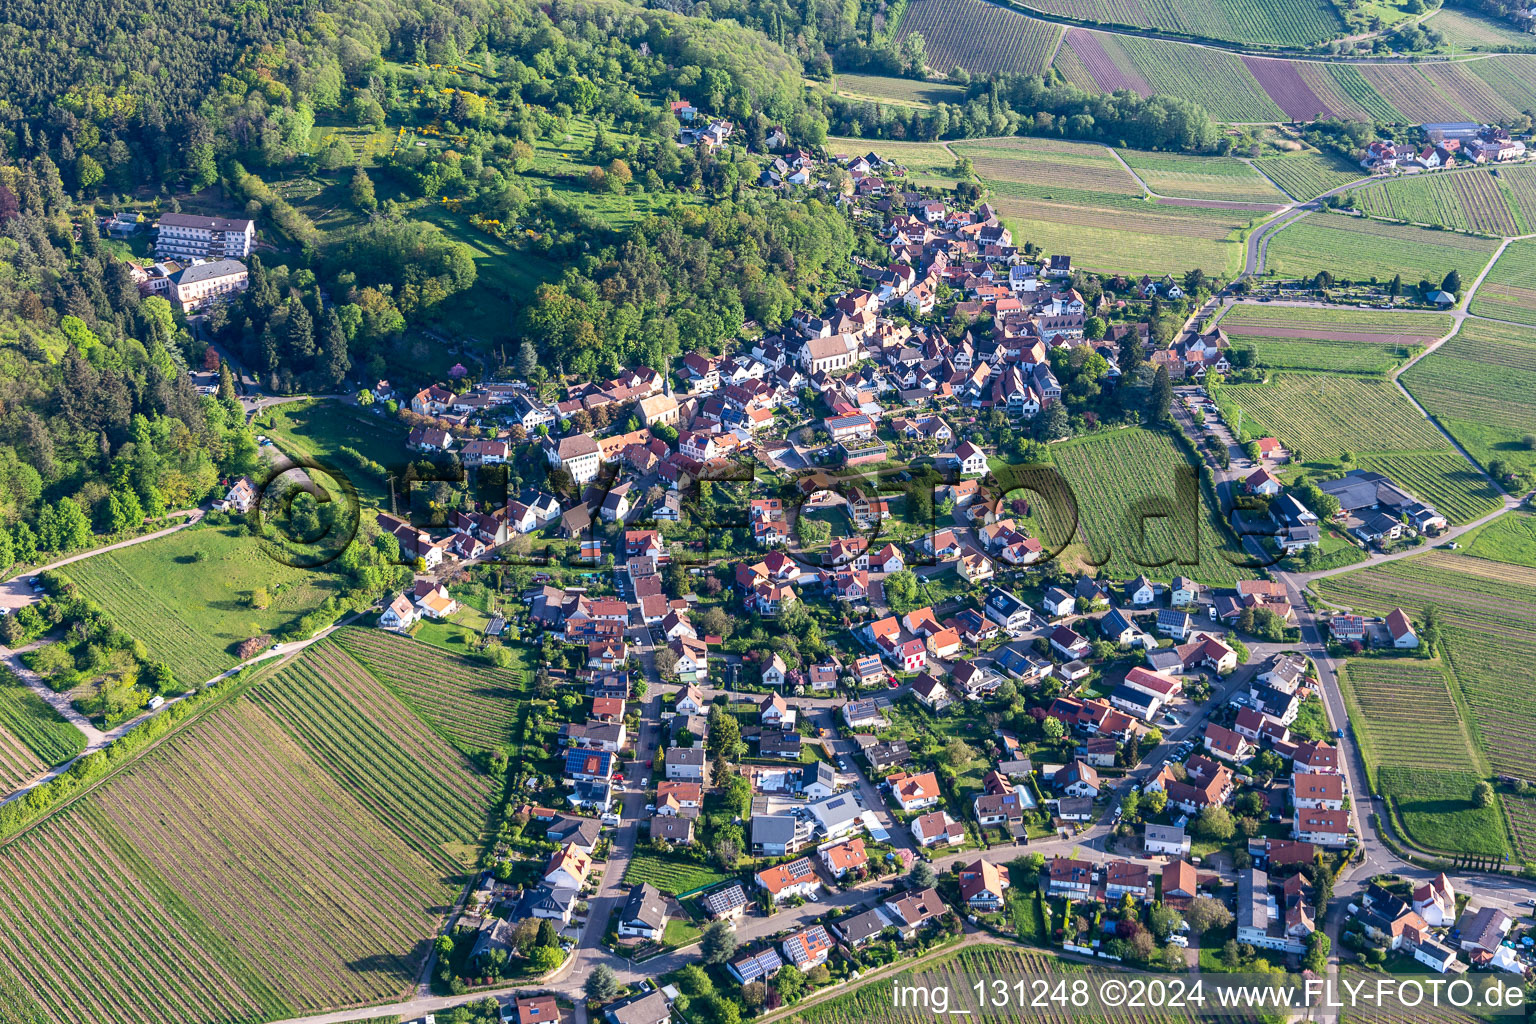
1481	387
475	706
1261	22
1335	340
904	91
284	854
1469	200
1439	810
1510	538
979	36
1319	416
319	430
1114	472
200	606
1202	177
1509	290
1308	175
1354	248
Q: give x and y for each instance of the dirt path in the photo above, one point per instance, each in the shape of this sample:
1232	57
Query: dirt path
94	737
17	592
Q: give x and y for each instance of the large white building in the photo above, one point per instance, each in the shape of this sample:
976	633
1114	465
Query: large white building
203	284
194	236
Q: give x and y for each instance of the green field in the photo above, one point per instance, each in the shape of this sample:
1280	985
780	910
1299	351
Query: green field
1355	249
477	707
1439	811
33	737
1470	200
290	852
1263	22
1202	177
1308	175
1488	610
1335	340
1510	538
1481	386
1509	290
671	874
188	596
318	430
904	91
1112	472
1319	416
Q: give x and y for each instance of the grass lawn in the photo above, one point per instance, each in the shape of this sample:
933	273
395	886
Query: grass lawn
1334	551
188	595
1510	538
1439	812
460	633
318	430
1210	948
1025	911
679	933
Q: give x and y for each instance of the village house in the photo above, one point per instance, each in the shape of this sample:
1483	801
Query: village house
983	884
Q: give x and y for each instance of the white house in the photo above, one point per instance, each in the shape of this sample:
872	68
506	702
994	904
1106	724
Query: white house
400	615
971	459
645	913
1166	839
